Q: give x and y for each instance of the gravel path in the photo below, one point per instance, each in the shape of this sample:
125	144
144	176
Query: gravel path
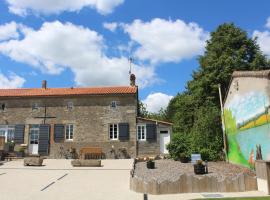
172	170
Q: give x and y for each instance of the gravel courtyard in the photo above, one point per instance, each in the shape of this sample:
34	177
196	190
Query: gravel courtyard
59	180
171	170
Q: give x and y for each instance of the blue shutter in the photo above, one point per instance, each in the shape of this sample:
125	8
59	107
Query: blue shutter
43	142
123	131
151	132
19	134
59	132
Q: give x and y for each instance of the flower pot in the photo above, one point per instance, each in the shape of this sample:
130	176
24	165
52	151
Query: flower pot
150	164
184	159
199	169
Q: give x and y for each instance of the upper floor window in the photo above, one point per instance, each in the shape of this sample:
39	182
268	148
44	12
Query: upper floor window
113	104
35	106
113	131
70	105
141	132
69	131
3	106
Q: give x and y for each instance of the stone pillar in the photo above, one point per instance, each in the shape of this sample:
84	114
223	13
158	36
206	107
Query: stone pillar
263	175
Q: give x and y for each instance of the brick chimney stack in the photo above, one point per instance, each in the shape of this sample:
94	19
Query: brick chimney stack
44	84
132	80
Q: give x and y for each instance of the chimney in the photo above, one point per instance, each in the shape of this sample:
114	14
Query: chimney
132	80
44	84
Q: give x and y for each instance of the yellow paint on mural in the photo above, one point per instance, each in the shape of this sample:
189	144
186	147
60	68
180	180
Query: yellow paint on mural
263	119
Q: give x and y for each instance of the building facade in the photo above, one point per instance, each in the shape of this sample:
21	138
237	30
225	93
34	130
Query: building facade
51	121
246	116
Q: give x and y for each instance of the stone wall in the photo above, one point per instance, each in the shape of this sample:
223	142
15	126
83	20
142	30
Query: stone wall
91	116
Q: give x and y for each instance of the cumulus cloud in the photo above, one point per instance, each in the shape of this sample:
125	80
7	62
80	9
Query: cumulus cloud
24	7
11	81
156	101
166	40
263	39
110	26
58	46
8	31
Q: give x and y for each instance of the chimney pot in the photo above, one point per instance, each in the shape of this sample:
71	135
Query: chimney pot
44	84
132	80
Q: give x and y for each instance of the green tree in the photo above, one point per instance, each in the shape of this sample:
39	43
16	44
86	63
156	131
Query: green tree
197	111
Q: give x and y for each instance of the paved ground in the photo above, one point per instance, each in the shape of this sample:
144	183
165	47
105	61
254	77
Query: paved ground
58	180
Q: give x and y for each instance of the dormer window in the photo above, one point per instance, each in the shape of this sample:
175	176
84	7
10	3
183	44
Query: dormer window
35	106
2	106
113	104
70	105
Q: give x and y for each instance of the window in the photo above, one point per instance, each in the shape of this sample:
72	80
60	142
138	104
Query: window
113	104
141	132
2	106
113	131
164	132
70	105
35	106
69	132
34	134
8	132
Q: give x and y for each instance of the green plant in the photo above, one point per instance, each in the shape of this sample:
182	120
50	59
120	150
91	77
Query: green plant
21	149
179	146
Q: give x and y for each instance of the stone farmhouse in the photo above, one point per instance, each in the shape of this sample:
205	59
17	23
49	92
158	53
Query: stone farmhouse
50	121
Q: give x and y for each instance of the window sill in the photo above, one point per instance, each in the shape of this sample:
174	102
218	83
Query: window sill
69	140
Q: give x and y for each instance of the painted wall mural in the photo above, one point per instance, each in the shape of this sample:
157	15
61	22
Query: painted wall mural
247	124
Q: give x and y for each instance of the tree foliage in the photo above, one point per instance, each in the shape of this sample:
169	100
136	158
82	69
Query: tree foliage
196	112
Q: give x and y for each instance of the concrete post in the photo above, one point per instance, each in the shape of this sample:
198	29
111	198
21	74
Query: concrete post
263	175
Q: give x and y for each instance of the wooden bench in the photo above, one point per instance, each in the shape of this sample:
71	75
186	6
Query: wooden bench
91	153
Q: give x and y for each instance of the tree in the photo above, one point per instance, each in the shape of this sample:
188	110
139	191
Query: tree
196	111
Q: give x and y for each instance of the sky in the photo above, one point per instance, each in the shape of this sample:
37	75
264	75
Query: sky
87	43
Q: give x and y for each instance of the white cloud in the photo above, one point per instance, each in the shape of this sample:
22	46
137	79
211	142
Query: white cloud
165	40
263	39
57	46
267	25
154	102
11	81
110	26
8	31
24	7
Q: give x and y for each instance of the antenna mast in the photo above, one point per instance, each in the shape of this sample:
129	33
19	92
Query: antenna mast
130	60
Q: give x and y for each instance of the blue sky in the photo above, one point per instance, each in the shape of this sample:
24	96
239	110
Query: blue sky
87	43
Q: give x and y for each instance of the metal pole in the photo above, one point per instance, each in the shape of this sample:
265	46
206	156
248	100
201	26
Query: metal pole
223	123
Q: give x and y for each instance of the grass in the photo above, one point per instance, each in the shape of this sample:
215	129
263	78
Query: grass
241	198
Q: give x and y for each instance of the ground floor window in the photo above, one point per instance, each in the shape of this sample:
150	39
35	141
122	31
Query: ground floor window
141	132
34	134
69	132
8	132
113	131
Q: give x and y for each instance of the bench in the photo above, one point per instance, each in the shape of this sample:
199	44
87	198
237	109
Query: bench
91	153
86	163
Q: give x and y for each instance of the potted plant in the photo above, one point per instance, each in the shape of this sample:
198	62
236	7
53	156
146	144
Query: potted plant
184	158
199	167
11	145
150	164
20	153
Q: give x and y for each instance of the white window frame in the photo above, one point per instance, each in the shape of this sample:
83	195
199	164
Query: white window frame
70	105
115	103
35	106
145	132
67	128
113	138
6	129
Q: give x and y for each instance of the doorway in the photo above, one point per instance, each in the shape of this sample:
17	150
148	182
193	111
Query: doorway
164	140
33	139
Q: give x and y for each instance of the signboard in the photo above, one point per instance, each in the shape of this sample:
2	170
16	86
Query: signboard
195	157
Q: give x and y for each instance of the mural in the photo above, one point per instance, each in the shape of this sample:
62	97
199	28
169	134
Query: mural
247	125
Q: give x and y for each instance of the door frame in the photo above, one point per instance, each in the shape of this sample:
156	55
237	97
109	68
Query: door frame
163	146
34	127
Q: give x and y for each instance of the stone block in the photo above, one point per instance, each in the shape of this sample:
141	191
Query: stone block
33	161
86	163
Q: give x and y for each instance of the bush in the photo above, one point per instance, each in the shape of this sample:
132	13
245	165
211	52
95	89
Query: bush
179	146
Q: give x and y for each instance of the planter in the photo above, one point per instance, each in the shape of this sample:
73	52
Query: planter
199	169
184	159
19	154
150	164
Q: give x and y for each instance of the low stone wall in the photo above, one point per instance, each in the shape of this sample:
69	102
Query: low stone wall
194	184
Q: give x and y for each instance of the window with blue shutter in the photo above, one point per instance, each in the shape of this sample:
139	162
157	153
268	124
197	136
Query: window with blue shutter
151	132
59	133
123	131
19	134
44	139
